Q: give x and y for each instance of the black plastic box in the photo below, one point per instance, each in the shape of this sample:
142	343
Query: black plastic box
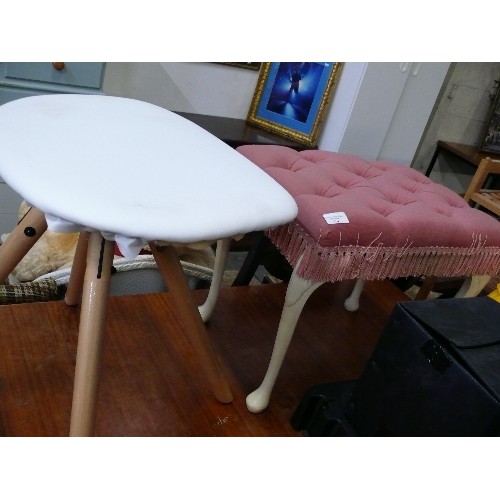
434	372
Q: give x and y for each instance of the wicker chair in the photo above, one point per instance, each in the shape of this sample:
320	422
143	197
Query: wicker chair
135	276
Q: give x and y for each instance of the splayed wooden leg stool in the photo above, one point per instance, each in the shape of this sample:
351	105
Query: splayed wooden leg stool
368	221
124	171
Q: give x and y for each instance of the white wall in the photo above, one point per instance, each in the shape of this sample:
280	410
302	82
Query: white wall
341	107
203	88
359	120
221	90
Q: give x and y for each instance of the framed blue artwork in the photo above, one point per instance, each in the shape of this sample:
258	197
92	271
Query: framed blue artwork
291	98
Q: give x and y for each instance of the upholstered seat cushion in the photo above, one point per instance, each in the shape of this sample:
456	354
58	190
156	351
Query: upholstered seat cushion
137	173
393	213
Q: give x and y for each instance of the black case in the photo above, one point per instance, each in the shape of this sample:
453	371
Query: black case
434	372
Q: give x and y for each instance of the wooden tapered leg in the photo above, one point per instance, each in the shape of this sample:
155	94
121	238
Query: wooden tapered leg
20	241
189	316
92	323
75	285
426	288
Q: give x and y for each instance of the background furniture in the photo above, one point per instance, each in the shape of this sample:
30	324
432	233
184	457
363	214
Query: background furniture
235	132
22	79
469	154
166	166
487	198
368	221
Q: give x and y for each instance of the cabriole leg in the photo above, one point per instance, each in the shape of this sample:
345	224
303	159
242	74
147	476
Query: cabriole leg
472	286
221	254
352	302
298	291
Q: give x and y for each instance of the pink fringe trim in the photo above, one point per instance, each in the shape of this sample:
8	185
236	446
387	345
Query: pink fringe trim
378	262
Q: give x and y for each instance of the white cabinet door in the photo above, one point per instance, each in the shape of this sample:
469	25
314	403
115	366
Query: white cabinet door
413	112
380	110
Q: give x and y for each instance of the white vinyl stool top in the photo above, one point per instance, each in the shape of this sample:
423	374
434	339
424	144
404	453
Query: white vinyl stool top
134	171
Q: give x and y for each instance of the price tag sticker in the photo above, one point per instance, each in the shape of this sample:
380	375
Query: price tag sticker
336	218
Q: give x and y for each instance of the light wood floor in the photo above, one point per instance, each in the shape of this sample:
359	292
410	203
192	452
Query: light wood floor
150	382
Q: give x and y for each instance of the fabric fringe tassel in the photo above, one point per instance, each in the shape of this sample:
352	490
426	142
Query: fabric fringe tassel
378	262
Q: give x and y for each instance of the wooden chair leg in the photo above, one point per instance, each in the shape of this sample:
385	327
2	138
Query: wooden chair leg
426	288
92	324
75	285
20	240
189	316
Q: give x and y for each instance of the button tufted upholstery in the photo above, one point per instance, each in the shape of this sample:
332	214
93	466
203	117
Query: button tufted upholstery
400	222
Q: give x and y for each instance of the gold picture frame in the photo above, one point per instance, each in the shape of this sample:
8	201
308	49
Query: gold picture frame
291	99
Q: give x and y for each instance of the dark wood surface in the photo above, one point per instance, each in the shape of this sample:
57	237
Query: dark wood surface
150	383
469	154
236	132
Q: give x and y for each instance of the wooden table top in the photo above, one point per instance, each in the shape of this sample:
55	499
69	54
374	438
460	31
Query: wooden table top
236	132
466	152
150	384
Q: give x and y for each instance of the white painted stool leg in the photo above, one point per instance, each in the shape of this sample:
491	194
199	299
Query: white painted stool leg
20	240
92	325
298	291
472	286
221	254
352	302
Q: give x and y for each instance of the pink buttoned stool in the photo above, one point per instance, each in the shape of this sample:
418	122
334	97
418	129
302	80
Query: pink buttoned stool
367	220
